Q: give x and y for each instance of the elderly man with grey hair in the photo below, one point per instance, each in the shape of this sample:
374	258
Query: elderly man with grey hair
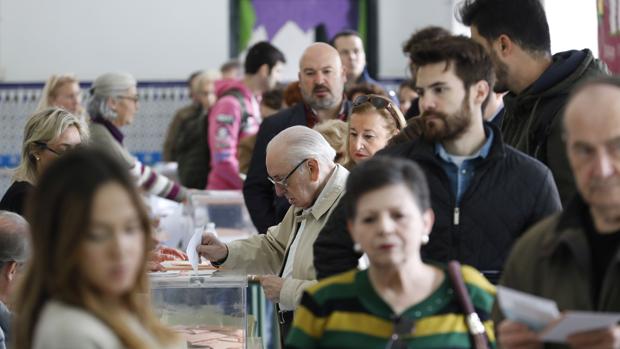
13	252
112	105
300	164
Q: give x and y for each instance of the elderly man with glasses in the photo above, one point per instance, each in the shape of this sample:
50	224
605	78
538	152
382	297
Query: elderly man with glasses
300	164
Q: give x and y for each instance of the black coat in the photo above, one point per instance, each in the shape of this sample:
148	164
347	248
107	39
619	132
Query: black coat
510	192
266	209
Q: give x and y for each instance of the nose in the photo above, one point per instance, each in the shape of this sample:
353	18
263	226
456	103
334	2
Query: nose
426	103
359	144
319	78
279	190
604	165
386	224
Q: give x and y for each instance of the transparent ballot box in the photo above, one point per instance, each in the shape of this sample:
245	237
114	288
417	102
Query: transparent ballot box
208	309
225	208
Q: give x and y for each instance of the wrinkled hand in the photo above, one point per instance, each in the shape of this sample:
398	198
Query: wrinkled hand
517	335
608	338
272	285
212	248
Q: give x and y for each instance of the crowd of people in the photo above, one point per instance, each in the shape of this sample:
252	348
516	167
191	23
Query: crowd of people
385	218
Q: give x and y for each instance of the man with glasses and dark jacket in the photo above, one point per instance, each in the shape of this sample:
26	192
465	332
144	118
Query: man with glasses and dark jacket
484	194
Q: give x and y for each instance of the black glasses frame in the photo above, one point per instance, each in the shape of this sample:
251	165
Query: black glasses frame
47	147
284	182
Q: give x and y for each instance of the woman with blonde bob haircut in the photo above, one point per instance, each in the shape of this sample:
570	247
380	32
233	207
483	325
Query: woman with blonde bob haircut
62	91
373	122
47	135
86	285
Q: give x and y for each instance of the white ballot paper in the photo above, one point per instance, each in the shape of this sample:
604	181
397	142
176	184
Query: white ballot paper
192	254
577	321
542	315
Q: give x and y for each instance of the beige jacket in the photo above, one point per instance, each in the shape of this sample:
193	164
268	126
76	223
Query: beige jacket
62	326
264	254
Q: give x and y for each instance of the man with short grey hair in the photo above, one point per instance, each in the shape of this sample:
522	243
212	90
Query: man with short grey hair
13	252
321	81
301	167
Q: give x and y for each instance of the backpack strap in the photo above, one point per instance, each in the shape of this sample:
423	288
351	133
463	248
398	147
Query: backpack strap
476	328
245	115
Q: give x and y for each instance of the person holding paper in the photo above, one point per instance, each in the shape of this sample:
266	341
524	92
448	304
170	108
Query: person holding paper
573	258
300	164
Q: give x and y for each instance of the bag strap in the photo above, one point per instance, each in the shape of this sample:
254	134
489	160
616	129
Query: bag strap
475	326
245	114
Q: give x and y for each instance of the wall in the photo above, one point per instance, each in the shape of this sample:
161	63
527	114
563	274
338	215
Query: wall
153	39
166	39
573	25
397	21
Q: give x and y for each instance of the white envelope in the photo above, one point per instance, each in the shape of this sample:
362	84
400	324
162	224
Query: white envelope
192	254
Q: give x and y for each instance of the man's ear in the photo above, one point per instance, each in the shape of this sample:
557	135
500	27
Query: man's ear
504	46
8	270
480	90
313	168
264	70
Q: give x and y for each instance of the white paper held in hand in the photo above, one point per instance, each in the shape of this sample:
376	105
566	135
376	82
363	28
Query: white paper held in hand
535	312
192	253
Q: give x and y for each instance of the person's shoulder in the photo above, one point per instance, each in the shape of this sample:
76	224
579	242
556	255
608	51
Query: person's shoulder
19	188
524	161
398	150
285	117
65	326
536	236
481	291
336	286
474	278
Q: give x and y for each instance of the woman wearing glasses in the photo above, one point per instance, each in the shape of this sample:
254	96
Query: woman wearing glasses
399	301
113	105
62	91
47	135
86	285
373	121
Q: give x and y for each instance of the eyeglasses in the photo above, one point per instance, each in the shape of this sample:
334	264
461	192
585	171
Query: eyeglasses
402	328
379	103
47	147
284	182
135	99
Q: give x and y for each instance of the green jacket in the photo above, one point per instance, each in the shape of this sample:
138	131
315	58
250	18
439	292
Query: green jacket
532	119
552	260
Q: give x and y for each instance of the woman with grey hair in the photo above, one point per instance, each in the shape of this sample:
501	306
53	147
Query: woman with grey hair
112	105
47	135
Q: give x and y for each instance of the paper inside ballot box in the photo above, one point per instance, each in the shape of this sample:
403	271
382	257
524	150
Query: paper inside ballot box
543	316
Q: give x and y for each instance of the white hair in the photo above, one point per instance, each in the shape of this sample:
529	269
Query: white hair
302	143
109	85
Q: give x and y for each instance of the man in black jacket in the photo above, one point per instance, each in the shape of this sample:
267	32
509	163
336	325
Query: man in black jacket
321	80
484	194
516	35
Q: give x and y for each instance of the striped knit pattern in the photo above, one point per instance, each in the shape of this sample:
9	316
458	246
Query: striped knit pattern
344	311
157	184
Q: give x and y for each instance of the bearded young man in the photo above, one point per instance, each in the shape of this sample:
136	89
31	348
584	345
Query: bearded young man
484	194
